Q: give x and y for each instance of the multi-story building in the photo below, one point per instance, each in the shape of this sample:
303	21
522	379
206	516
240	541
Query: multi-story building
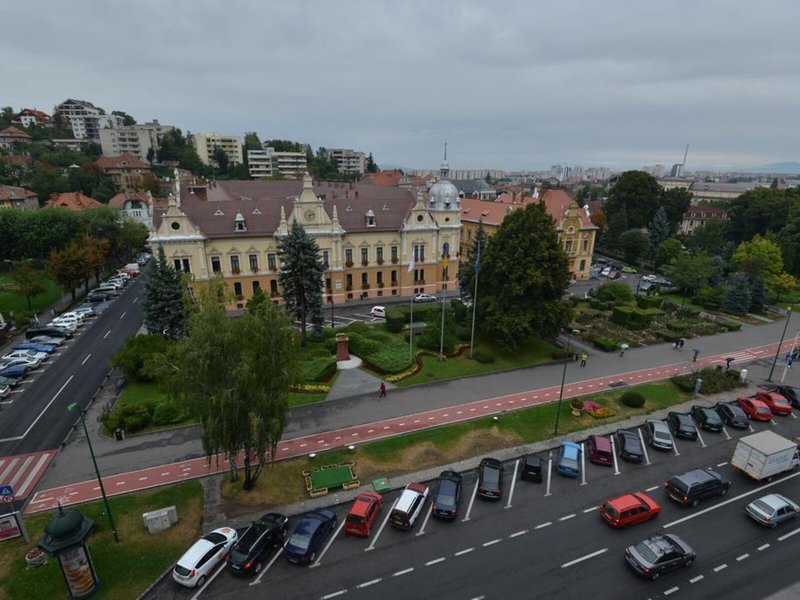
703	191
138	206
31	116
125	171
270	163
368	235
136	140
206	143
697	216
86	119
20	198
349	162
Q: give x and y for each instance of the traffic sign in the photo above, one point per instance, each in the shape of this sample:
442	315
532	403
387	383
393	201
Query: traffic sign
6	490
7	498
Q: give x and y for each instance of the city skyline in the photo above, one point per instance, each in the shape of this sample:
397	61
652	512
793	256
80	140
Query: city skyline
615	84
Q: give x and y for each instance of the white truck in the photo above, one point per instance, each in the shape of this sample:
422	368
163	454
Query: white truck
764	455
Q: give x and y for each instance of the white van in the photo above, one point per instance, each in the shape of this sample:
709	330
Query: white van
109	290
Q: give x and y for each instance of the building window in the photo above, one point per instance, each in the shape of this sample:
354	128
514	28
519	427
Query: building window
419	253
182	264
585	245
256	286
379	254
273	288
253	262
364	256
216	265
394	277
237	290
325	260
177	264
364	280
469	234
271	263
394	254
419	275
568	246
328	283
348	257
235	268
380	277
349	282
583	265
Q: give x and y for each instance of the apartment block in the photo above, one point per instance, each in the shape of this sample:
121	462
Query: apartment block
350	162
136	140
205	143
270	163
86	119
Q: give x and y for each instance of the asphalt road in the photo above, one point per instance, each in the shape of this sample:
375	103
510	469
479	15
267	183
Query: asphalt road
547	540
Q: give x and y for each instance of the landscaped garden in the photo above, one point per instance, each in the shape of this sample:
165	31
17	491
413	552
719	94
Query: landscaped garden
12	300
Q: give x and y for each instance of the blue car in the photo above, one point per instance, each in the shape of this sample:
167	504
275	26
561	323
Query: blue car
309	535
36	347
569	459
15	371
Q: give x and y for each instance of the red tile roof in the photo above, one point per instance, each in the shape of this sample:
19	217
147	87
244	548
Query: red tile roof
119	200
556	203
39	115
706	212
14	133
72	201
491	213
123	161
12	192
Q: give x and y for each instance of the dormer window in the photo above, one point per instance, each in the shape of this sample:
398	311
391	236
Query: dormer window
370	217
238	222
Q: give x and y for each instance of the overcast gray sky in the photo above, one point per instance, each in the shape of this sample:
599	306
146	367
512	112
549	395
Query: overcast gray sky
511	85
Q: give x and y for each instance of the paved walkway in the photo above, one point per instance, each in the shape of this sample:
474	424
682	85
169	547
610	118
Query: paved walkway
355	382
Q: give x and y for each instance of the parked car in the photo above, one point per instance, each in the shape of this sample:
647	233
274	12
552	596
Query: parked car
629	509
682	425
32	355
424	298
14	371
649	278
629	446
70	326
96	297
73	313
11	382
247	555
448	495
659	554
5	390
755	409
778	405
409	505
732	415
309	535
695	485
627	269
47	330
205	554
116	283
707	418
490	479
20	361
46	340
658	435
531	468
598	449
109	290
792	394
772	509
569	459
86	311
36	347
362	514
378	312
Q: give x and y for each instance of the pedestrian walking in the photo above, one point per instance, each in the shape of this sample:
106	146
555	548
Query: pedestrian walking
696	351
383	390
584	357
675	345
728	362
680	344
622	351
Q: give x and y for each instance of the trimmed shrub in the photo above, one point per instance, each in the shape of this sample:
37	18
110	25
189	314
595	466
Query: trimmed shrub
166	413
715	380
483	356
562	353
135	353
632	399
318	368
395	320
604	343
668	336
391	359
687	311
632	318
621	315
730	325
649	301
677	325
614	291
131	417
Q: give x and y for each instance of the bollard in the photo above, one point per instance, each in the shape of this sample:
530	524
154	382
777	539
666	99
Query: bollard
697	385
743	375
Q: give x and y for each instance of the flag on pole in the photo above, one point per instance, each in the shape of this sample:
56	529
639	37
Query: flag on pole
478	257
412	265
444	264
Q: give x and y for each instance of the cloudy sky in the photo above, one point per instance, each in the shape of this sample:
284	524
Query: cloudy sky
510	85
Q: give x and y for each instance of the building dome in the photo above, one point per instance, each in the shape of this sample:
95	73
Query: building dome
443	194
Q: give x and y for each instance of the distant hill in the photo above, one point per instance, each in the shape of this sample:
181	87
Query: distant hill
779	167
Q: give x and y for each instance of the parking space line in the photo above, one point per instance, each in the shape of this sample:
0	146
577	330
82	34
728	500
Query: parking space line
700	437
725	431
425	521
219	570
696	579
471	502
791	414
653	488
675	446
549	473
722	464
644	448
324	550
380	529
257	580
614	455
513	483
788	535
773	423
583	465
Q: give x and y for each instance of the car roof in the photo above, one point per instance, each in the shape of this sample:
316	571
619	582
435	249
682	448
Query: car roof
628	434
408	496
450	475
774	501
625	501
698	476
570	449
361	504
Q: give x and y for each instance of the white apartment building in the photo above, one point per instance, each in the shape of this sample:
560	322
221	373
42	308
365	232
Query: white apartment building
205	143
350	162
269	163
86	119
135	140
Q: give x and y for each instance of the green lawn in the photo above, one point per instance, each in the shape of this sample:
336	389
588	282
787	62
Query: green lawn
10	300
300	398
140	393
125	568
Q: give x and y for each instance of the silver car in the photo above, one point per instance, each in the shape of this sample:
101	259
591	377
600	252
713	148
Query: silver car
772	509
658	434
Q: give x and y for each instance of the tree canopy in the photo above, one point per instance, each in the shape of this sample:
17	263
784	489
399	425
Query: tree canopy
163	302
636	194
760	257
301	277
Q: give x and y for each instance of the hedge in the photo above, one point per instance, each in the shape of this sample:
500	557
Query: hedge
395	320
715	380
483	356
631	318
632	399
668	336
730	325
649	301
318	368
677	326
604	343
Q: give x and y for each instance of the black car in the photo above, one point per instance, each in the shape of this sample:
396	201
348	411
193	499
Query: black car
490	479
732	415
48	330
629	446
448	495
246	557
96	297
707	418
659	554
9	381
792	394
682	425
691	487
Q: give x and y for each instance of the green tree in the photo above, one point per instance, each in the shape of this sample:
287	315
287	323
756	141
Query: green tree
659	230
151	155
736	300
466	270
164	312
760	257
758	295
527	272
126	118
68	266
782	284
6	115
639	194
220	158
761	211
372	167
251	142
711	237
675	202
634	244
617	225
137	352
256	300
301	278
96	251
690	273
667	251
26	279
134	236
171	146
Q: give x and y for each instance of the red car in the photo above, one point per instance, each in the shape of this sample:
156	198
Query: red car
776	403
755	409
363	513
629	509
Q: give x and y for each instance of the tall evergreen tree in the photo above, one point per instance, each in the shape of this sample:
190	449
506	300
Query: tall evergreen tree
737	297
301	277
758	295
466	272
617	225
659	229
164	311
372	167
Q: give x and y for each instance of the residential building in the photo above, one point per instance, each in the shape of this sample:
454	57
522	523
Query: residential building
367	235
20	198
86	119
136	140
704	191
72	201
671	183
206	143
463	174
138	206
72	143
13	135
31	116
396	178
350	162
271	163
697	216
125	171
474	188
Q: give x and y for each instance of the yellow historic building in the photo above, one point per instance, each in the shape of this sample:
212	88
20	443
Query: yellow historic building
367	235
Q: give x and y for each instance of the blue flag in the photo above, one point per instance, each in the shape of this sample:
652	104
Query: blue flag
478	258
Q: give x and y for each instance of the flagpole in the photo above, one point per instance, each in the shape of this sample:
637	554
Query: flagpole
411	266
441	335
475	299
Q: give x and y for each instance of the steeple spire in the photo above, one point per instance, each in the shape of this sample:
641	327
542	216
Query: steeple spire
444	172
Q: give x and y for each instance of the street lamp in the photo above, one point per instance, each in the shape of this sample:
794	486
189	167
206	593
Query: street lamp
778	351
333	323
72	408
790	356
563	377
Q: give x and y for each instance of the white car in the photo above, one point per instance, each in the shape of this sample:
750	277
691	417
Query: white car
116	283
29	354
69	325
46	339
23	362
86	311
5	390
107	289
649	277
425	298
73	313
193	568
772	509
378	311
606	272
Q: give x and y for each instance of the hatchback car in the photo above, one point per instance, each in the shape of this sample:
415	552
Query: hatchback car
682	425
598	449
659	554
70	325
409	505
490	479
695	485
569	459
707	418
792	394
86	311
627	269
448	495
424	298
658	435
31	363
309	535
47	330
777	403
10	382
732	415
772	509
246	556
378	312
755	409
36	347
629	446
362	514
629	509
32	355
193	567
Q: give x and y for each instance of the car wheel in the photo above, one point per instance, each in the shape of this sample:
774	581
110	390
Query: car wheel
688	563
257	568
695	502
200	581
655	576
313	557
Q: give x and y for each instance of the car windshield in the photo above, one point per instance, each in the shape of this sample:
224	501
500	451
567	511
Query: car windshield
447	492
182	570
355	519
646	552
300	540
764	410
237	556
214	538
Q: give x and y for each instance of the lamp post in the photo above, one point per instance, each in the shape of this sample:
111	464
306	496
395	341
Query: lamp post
789	357
72	408
563	377
778	351
333	323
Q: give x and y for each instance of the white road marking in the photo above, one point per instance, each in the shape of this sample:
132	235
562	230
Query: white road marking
583	558
727	435
614	455
762	547
471	502
425	522
543	525
719	568
44	410
742	557
324	550
588	510
549	473
696	579
333	595
463	552
257	580
518	533
671	590
369	583
219	570
491	543
567	517
107	334
644	447
435	561
583	465
380	529
788	535
700	437
122	316
404	572
722	464
675	446
85	359
135	300
653	488
513	482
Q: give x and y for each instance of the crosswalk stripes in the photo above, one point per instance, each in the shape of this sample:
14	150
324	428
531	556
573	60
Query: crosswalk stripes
22	472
